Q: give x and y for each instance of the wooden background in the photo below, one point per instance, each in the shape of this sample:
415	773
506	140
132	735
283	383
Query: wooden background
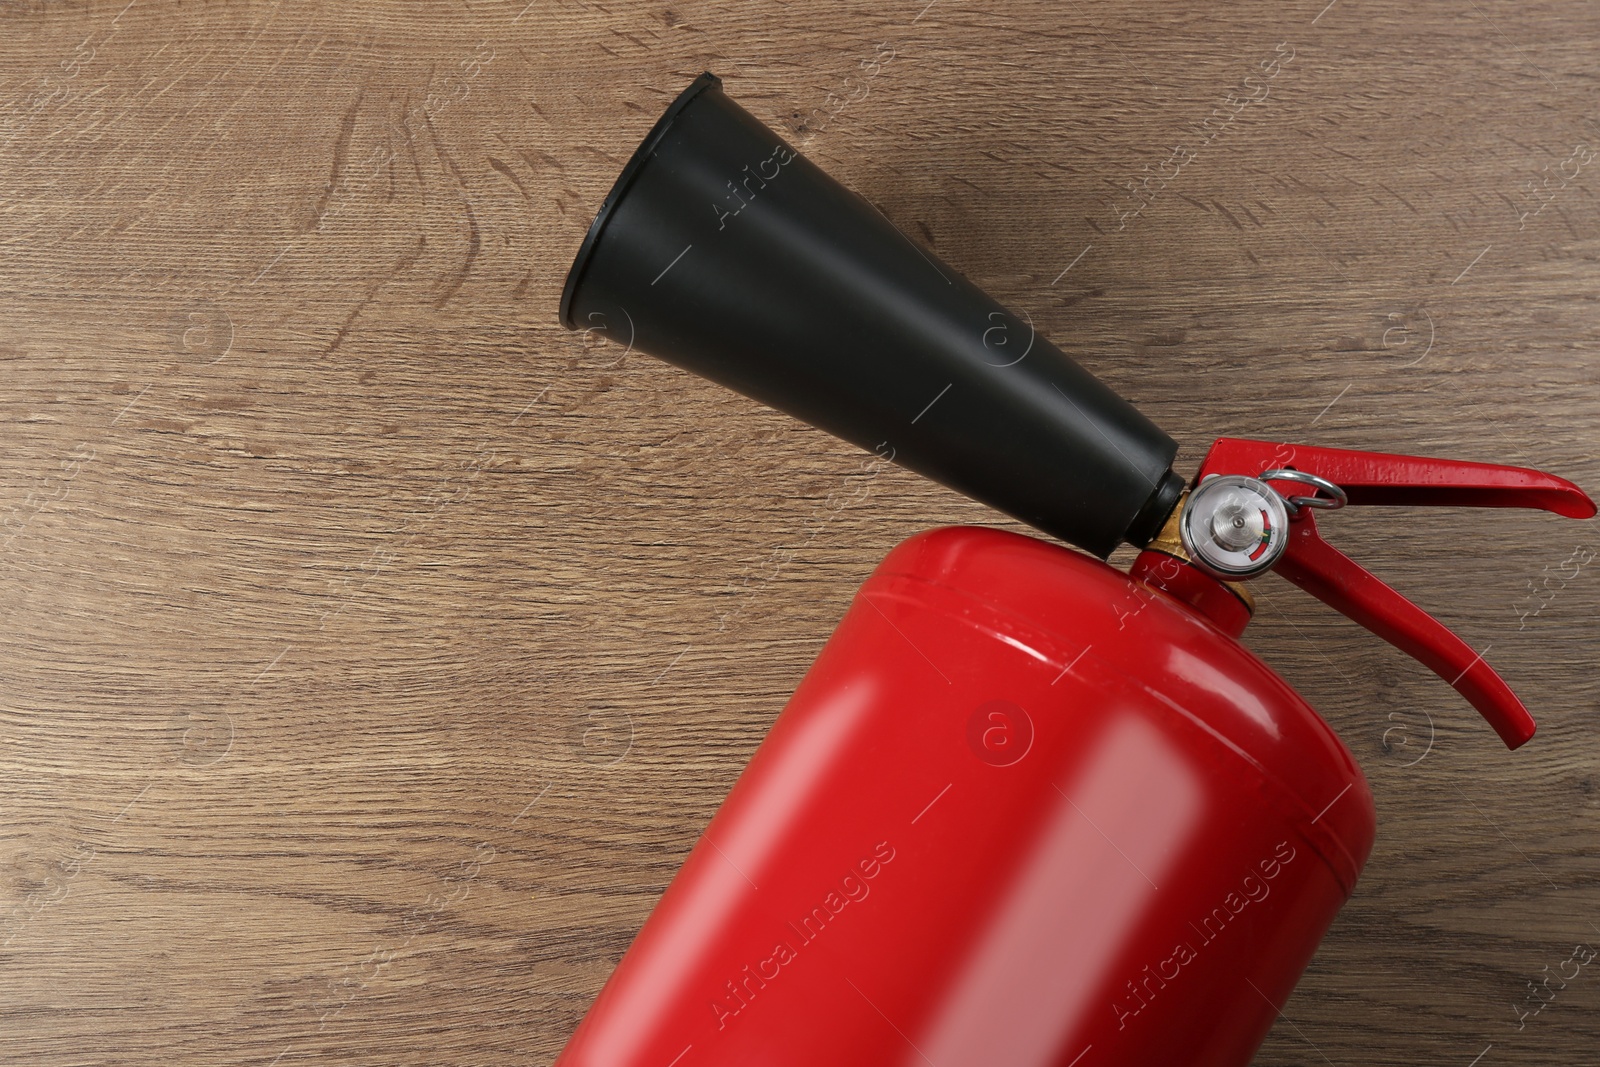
373	651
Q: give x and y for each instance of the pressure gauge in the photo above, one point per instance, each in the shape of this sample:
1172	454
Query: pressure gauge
1233	526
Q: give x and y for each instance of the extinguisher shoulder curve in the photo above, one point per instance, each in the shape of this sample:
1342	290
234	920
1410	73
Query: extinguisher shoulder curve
1070	608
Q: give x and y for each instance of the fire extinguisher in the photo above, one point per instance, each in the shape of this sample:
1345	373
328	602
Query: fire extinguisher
1025	810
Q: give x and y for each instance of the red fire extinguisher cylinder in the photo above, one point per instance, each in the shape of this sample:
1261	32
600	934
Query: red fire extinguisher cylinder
1022	810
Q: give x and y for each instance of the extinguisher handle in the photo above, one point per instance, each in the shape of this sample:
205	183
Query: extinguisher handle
1384	479
1375	478
1353	591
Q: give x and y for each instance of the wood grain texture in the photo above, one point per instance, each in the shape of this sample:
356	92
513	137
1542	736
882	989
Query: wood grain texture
373	651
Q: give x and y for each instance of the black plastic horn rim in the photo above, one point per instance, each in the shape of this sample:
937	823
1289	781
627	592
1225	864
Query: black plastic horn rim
625	179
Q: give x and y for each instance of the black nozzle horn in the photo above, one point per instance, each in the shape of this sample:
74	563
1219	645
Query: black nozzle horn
724	251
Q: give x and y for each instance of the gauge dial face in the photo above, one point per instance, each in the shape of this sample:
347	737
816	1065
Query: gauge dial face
1233	526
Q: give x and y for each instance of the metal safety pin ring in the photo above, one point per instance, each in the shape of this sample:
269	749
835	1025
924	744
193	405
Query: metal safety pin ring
1335	499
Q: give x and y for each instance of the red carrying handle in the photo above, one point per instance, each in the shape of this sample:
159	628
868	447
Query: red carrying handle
1375	478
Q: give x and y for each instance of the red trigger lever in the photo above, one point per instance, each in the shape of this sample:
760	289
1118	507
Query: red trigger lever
1231	530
